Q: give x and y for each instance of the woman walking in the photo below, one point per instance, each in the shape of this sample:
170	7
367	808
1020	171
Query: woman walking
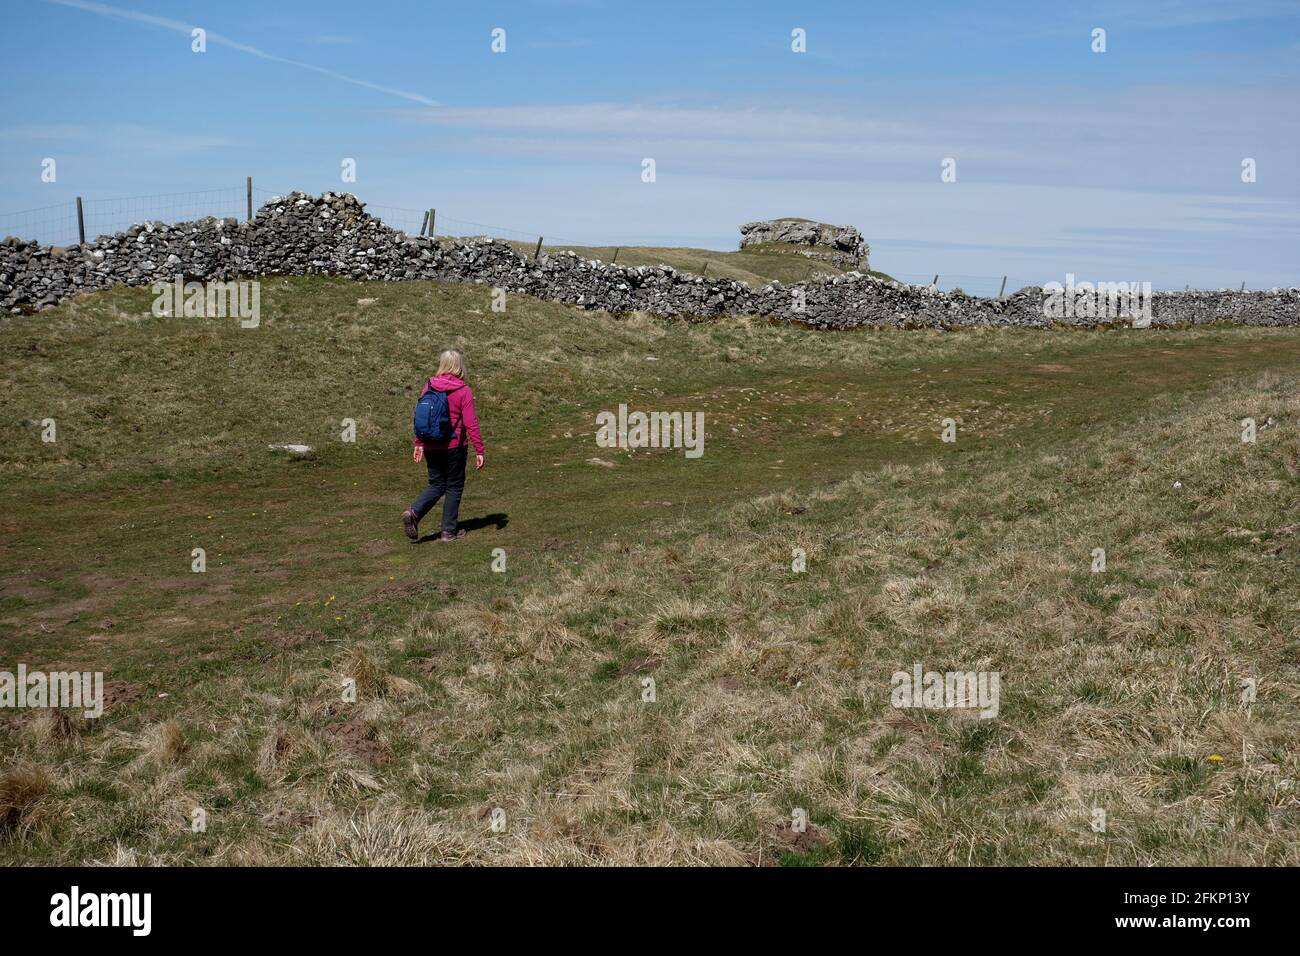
445	426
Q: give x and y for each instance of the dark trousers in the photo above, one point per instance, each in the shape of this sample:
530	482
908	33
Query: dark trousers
446	478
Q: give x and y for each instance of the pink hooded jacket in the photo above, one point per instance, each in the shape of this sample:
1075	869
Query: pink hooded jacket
460	407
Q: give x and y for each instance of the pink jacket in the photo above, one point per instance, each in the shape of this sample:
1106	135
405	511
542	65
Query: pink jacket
460	407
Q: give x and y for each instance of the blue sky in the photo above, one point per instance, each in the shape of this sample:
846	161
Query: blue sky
1123	165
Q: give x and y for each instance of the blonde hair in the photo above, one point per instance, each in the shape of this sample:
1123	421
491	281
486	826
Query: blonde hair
452	362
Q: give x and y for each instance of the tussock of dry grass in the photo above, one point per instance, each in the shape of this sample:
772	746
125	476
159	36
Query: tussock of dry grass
165	744
365	673
278	751
383	834
52	728
21	790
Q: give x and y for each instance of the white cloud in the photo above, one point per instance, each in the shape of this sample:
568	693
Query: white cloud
1148	138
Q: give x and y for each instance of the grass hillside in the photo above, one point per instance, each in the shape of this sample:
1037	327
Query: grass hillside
757	266
522	690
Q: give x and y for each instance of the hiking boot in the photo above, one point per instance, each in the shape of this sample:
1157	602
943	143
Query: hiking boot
450	536
410	524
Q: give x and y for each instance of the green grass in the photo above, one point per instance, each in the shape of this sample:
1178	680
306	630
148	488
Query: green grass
523	690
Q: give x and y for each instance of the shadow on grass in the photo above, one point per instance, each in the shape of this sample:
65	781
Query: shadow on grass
496	520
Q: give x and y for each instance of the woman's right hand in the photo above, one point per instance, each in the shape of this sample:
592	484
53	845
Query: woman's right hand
418	455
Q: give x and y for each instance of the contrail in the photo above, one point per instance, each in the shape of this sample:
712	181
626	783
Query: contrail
105	10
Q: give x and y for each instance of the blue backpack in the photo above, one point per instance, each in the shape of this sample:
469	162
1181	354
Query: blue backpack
433	417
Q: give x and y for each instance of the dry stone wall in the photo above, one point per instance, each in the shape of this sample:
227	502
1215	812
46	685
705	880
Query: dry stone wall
332	234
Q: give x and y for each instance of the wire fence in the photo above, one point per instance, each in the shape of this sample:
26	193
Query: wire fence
48	225
985	286
411	221
58	225
106	216
63	224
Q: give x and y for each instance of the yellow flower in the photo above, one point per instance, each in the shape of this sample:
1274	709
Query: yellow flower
1214	758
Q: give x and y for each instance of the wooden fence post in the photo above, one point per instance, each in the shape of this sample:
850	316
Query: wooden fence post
705	270
250	198
433	215
81	222
616	252
538	251
935	280
1004	287
1243	287
424	224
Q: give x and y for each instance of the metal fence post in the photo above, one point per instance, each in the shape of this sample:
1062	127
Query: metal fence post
250	198
81	222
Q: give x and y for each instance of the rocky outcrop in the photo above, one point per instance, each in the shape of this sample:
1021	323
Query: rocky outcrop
333	235
840	245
